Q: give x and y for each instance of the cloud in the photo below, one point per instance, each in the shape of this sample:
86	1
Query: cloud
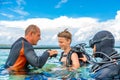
20	2
60	3
118	16
19	8
15	8
82	28
8	34
20	11
7	15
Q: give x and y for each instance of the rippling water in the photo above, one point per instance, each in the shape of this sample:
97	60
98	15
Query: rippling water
51	64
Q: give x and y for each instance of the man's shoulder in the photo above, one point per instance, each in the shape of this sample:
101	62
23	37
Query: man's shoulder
20	40
17	44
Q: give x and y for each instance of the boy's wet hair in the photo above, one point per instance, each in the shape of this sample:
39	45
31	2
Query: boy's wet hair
66	34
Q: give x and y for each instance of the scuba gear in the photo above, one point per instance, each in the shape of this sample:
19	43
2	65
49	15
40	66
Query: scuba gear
79	47
109	66
92	42
80	50
104	42
114	59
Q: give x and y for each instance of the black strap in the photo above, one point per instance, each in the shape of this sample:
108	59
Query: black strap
61	56
69	61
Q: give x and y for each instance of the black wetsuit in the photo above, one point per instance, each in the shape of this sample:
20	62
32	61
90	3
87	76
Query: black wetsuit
29	55
108	70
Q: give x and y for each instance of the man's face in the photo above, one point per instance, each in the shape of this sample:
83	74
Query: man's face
63	42
36	37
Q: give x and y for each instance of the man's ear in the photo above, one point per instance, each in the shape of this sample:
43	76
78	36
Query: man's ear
31	33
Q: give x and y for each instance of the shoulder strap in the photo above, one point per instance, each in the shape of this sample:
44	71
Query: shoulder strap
69	61
61	56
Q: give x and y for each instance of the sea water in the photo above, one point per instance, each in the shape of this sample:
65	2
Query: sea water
52	65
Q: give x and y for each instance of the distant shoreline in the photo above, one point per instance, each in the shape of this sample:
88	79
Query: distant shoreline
44	47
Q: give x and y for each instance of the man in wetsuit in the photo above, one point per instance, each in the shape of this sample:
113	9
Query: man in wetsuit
103	47
22	52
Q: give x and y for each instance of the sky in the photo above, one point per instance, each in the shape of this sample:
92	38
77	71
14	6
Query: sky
83	18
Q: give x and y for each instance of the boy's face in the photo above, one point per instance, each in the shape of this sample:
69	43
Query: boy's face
63	42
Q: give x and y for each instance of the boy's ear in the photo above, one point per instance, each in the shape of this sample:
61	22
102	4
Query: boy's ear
69	40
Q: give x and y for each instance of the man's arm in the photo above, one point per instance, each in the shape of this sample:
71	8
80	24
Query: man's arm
32	58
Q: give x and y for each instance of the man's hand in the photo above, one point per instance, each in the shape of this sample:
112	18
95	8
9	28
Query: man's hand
53	52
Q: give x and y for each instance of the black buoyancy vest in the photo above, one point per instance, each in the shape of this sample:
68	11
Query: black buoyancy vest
69	61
